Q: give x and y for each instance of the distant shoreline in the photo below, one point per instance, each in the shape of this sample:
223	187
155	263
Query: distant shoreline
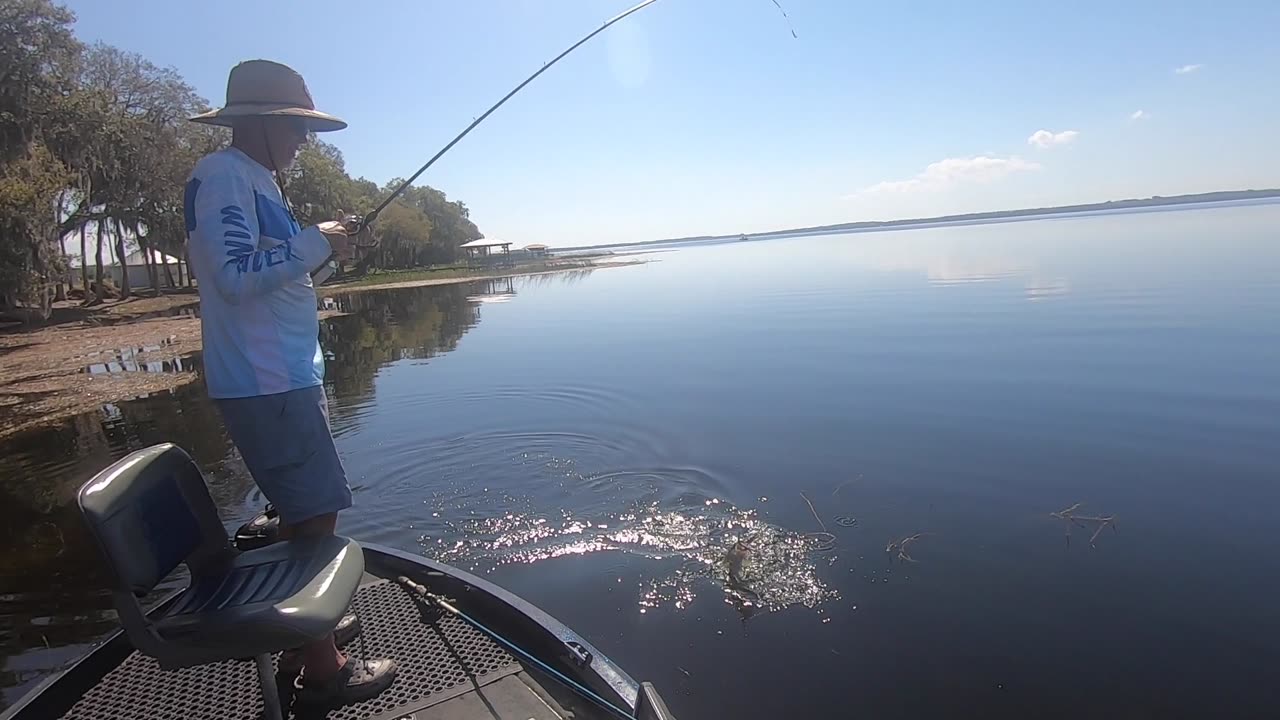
398	279
964	219
388	281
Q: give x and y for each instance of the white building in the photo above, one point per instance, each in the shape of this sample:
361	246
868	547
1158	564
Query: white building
134	263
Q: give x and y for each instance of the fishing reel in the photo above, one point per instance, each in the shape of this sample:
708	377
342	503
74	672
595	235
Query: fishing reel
359	229
361	237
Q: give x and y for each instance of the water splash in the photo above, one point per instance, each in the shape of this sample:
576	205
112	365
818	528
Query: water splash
778	568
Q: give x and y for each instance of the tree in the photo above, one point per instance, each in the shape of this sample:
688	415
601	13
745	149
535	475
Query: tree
84	265
404	234
29	257
320	188
121	256
318	185
124	132
162	214
100	294
99	136
37	60
450	221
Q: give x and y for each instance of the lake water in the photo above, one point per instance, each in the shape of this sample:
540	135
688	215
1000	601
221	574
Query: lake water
597	442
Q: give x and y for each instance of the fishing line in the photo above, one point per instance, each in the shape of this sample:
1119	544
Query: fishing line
423	593
368	219
787	18
363	222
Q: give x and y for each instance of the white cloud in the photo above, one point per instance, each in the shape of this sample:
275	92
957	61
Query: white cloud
1188	69
1045	139
952	171
1140	115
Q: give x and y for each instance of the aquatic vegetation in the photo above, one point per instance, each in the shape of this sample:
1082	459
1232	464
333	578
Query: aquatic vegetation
1069	518
825	541
814	511
844	485
902	547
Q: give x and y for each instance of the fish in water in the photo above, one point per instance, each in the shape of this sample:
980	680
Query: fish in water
734	559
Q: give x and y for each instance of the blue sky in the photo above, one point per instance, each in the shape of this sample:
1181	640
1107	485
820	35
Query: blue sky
706	116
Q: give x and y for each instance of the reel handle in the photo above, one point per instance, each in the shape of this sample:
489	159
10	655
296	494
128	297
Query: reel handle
356	225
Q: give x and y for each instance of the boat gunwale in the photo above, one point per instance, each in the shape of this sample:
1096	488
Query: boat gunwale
616	680
53	696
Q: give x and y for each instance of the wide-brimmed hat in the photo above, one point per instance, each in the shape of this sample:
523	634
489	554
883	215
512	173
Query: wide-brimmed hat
262	88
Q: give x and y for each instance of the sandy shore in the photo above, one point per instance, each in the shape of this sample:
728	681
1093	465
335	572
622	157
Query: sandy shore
89	357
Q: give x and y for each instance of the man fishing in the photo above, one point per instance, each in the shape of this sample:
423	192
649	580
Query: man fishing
262	360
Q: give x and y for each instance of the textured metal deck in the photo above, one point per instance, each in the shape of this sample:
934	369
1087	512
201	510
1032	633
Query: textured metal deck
439	657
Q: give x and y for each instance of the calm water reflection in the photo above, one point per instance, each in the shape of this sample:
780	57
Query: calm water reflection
598	443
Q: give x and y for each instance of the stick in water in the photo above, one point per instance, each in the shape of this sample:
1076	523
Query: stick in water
844	485
815	513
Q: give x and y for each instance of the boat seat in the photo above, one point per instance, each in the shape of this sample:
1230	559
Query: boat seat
266	600
151	512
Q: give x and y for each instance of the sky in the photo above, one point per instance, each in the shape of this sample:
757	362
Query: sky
708	117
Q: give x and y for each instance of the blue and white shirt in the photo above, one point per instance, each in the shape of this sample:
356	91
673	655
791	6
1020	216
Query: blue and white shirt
252	263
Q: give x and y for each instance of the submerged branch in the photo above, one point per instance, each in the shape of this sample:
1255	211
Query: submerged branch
815	513
1069	518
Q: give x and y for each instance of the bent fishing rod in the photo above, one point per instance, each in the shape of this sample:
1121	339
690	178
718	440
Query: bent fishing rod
362	222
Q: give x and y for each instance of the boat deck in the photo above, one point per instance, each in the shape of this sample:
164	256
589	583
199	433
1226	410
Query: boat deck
447	671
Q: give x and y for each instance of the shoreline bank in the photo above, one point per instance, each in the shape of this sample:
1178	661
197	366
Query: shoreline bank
91	357
363	285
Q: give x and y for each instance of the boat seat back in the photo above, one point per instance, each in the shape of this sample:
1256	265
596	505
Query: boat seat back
149	513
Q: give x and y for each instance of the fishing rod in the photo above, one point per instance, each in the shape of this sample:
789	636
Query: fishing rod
357	224
363	222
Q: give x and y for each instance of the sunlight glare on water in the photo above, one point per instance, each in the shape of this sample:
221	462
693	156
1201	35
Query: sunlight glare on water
779	568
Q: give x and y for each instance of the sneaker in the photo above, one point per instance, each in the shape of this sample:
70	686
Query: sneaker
346	630
358	680
261	531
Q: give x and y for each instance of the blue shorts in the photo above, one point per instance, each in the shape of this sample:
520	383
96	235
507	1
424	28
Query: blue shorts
286	444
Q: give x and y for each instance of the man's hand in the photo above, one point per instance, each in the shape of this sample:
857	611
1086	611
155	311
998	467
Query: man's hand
359	233
336	233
